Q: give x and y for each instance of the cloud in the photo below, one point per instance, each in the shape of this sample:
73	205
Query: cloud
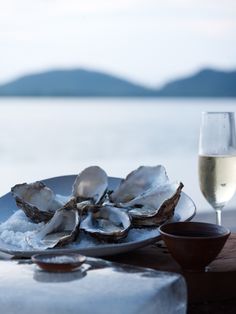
215	28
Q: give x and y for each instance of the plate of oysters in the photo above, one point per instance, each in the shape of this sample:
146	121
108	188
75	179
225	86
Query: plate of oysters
91	213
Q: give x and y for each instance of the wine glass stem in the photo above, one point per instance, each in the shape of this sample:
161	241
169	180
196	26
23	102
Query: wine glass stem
218	216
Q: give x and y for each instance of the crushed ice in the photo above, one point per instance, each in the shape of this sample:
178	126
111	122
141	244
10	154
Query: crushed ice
15	230
18	227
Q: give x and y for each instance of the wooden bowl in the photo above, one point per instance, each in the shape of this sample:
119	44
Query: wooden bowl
58	262
194	244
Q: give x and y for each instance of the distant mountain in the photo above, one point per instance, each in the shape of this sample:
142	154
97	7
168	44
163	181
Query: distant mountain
206	83
84	83
76	82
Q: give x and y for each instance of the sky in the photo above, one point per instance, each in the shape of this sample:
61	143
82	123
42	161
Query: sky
147	41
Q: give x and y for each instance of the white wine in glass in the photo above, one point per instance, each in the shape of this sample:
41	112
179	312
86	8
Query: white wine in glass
217	159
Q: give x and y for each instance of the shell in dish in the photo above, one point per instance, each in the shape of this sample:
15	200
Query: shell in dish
156	206
148	196
106	223
62	229
90	185
37	200
137	182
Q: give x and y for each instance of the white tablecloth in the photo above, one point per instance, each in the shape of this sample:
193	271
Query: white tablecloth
99	287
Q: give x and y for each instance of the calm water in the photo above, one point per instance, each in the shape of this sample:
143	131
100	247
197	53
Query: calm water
51	137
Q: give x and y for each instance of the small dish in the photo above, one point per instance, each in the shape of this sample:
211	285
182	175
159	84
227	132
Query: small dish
58	262
194	244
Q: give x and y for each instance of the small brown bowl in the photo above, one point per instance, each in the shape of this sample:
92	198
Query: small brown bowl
58	262
194	244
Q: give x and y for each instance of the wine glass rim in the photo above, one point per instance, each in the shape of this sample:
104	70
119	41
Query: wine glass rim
217	112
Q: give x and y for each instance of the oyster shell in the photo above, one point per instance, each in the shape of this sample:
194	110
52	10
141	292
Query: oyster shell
40	203
37	201
90	185
137	182
106	223
62	229
148	196
155	206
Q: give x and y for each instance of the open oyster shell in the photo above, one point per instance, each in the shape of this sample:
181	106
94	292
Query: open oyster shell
37	201
148	196
62	229
91	184
106	223
156	206
137	182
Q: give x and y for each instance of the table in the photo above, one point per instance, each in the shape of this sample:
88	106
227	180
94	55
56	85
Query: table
100	287
210	292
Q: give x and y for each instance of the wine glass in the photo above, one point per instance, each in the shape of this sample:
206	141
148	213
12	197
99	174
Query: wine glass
217	159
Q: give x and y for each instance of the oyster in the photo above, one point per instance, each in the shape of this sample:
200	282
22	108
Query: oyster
37	201
62	229
40	203
106	223
90	185
156	206
148	196
137	182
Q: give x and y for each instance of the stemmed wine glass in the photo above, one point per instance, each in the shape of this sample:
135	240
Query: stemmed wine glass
217	159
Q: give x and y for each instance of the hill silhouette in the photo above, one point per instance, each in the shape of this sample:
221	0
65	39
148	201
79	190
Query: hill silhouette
77	82
85	83
205	83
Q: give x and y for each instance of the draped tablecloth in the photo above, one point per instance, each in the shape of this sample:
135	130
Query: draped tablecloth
98	287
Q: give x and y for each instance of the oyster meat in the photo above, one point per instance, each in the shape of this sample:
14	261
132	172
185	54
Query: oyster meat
37	201
62	229
106	223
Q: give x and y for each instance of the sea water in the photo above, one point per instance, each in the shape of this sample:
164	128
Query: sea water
47	137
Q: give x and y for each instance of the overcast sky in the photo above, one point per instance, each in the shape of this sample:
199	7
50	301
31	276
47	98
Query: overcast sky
148	41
